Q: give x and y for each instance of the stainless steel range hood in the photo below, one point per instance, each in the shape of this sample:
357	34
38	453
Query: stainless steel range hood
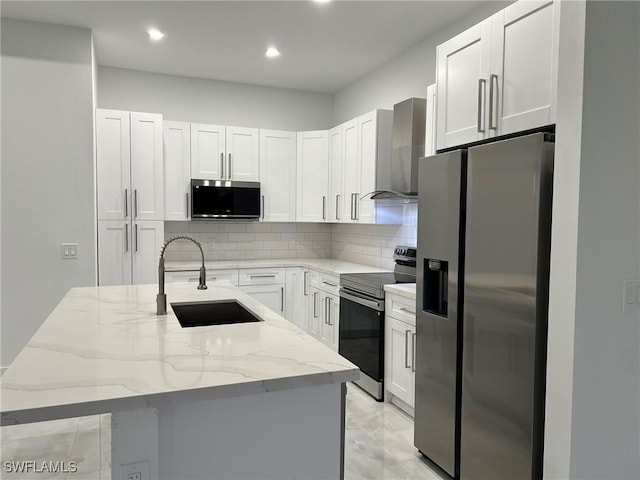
408	141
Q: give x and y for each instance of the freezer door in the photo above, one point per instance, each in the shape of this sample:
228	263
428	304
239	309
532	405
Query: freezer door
440	193
507	246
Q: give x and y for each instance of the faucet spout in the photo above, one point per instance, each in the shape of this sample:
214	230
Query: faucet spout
161	298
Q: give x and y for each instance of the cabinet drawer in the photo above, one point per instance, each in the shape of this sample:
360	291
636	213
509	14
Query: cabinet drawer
261	276
401	308
324	282
230	275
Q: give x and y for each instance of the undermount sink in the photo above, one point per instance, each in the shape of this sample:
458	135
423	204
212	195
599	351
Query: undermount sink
214	312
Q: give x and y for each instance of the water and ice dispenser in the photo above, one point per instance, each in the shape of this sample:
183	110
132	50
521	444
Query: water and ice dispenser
436	284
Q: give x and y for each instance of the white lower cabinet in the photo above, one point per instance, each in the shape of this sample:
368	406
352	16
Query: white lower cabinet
295	296
271	296
314	312
128	252
330	315
400	344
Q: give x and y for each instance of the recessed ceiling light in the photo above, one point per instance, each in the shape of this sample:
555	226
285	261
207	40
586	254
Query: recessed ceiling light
155	34
272	52
322	1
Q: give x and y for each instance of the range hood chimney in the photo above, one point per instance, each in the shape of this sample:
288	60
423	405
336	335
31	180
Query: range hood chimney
408	142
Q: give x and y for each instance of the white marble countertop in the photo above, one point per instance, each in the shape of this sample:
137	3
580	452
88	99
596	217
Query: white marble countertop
325	265
104	349
405	289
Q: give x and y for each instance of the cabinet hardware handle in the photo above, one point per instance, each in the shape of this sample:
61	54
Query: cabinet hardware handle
136	237
329	299
413	352
482	88
304	282
324	208
263	276
126	237
135	202
337	207
262	207
315	304
187	210
493	77
229	173
406	310
406	348
126	203
282	299
354	201
326	310
330	284
221	165
355	205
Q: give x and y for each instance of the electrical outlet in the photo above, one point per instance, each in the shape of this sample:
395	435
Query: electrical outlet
135	471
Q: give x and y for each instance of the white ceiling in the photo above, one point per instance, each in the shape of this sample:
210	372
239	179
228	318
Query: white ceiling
324	47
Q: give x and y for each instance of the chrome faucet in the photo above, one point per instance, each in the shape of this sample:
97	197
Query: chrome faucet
161	298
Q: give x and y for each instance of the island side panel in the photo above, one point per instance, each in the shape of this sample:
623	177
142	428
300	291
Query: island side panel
287	434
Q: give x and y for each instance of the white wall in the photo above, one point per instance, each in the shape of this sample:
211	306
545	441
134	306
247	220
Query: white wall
211	101
605	439
407	75
47	172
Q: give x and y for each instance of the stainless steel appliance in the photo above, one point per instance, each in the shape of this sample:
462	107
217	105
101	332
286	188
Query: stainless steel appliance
361	327
225	199
484	221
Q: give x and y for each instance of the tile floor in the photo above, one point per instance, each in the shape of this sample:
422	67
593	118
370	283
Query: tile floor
378	437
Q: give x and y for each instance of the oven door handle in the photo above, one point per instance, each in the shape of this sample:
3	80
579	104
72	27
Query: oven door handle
362	301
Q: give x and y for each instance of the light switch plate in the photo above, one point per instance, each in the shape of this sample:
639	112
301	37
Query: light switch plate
69	251
631	298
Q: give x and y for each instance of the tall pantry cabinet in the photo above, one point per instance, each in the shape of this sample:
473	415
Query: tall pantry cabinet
130	196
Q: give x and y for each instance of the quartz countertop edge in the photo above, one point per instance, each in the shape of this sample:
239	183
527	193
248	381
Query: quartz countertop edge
407	290
104	349
325	265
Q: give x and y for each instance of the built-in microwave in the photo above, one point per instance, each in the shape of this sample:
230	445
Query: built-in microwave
224	199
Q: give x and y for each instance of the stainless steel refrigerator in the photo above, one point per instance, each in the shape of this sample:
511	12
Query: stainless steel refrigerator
484	223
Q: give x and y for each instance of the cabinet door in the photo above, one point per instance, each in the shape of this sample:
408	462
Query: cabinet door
336	175
334	319
148	237
313	176
177	170
401	342
147	177
430	124
462	86
113	169
207	151
351	171
523	67
330	315
242	154
278	175
367	155
114	252
271	296
315	311
294	298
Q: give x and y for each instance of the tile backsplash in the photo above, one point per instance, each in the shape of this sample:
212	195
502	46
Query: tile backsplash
249	240
373	244
366	244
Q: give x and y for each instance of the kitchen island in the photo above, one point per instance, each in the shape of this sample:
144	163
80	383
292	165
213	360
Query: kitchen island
252	400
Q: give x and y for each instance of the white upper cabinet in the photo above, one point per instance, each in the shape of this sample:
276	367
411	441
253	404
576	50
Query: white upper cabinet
278	175
350	171
430	124
313	176
499	76
147	177
129	165
463	69
207	151
523	68
224	153
336	169
242	154
177	170
113	155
